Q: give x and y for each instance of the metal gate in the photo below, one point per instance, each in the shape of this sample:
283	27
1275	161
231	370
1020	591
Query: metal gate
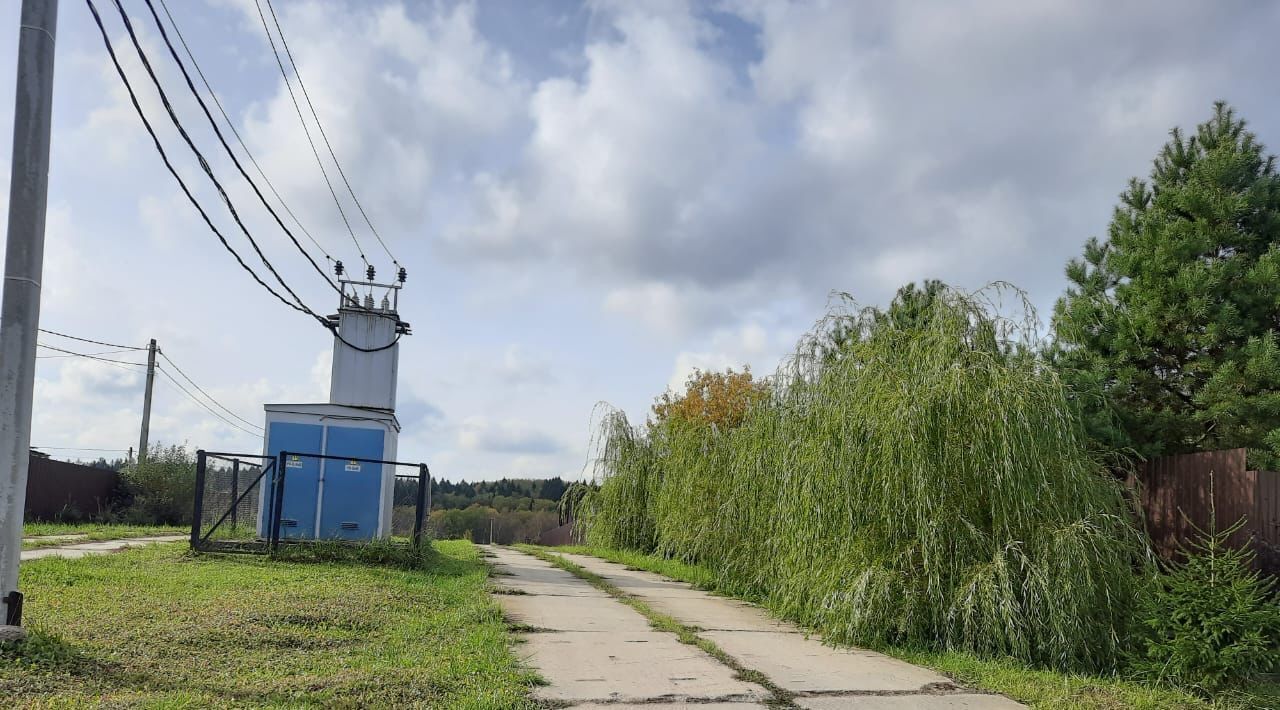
240	498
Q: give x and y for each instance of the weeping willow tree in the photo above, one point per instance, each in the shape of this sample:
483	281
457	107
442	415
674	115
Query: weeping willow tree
916	481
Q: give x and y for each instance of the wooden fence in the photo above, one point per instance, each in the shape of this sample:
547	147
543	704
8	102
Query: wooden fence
61	489
1176	494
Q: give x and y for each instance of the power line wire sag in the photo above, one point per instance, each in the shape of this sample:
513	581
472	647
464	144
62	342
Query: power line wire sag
206	407
203	392
298	75
297	304
231	124
87	340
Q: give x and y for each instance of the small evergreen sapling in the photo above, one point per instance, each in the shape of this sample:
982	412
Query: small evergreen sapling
1212	622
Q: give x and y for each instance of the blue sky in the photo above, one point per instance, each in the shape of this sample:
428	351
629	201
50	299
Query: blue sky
594	198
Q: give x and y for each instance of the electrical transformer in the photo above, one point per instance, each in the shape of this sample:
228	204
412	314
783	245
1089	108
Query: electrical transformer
332	490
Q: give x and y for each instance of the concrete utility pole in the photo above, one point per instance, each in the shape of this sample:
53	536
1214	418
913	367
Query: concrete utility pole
146	401
23	269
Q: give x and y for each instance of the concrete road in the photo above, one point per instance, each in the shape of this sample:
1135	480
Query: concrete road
96	548
596	651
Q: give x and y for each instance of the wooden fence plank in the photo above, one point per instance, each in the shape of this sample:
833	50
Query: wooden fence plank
1186	492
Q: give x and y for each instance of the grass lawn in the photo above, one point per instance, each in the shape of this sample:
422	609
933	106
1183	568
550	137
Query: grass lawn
158	627
91	532
1035	687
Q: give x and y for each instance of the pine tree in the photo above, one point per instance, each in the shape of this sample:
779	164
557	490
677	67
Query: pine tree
1168	332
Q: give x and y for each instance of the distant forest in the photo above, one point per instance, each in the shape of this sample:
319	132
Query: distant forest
506	495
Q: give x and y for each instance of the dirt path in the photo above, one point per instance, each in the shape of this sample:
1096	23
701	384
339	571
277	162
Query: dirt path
594	649
100	547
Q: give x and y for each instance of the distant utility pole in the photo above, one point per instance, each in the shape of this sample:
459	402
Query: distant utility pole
146	401
23	269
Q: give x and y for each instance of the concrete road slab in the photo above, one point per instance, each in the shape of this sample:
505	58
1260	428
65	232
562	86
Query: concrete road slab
959	701
102	547
529	575
638	582
670	706
712	613
800	664
630	667
55	538
572	613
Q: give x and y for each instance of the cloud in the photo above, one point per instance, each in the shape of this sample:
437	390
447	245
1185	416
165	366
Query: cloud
521	368
416	413
861	147
751	346
405	100
618	197
479	433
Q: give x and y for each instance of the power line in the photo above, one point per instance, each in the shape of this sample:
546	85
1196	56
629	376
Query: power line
297	305
297	74
105	352
86	340
137	107
207	408
206	394
231	124
91	357
73	448
204	164
218	132
307	131
214	124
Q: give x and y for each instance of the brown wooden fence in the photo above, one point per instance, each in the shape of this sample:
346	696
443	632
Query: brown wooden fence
57	489
1176	494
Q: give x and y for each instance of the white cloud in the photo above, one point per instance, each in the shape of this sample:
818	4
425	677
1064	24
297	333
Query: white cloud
479	433
521	368
750	346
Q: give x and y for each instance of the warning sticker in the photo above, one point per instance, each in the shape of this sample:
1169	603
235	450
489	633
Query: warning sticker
293	462
353	466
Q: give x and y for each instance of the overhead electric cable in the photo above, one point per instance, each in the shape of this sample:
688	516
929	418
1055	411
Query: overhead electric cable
231	124
306	131
297	305
86	340
204	164
105	352
298	75
164	35
214	124
207	408
91	357
137	107
73	448
187	377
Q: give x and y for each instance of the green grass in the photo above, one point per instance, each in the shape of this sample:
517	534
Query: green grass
1038	688
160	628
92	532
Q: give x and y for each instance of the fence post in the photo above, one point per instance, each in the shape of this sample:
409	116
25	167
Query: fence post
235	493
199	499
424	491
278	502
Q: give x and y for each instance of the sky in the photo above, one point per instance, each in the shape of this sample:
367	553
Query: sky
591	198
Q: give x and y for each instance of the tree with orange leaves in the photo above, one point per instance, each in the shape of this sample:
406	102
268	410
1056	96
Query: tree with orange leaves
720	399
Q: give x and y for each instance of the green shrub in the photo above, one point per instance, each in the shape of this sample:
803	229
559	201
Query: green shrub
162	487
1212	622
917	481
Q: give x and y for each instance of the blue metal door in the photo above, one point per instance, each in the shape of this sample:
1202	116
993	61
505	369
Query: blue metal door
352	489
301	476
